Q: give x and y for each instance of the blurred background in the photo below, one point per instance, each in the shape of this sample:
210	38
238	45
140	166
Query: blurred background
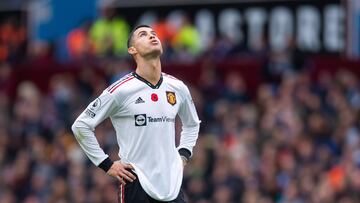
276	85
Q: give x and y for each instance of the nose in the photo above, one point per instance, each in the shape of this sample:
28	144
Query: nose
152	36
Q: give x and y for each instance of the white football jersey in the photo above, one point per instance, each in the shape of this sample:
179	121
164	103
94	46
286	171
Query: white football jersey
143	116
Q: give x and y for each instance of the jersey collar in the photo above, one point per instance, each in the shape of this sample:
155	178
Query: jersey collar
147	82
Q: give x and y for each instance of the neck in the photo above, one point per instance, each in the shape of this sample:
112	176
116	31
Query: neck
149	69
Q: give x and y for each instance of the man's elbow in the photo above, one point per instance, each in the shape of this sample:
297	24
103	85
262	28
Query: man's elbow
75	127
194	128
197	125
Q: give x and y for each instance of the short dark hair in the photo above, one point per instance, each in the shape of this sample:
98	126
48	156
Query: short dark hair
132	33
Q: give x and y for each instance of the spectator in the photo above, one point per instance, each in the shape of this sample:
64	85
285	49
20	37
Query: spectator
187	39
109	33
79	44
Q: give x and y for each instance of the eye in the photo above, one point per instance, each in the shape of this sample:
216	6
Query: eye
142	34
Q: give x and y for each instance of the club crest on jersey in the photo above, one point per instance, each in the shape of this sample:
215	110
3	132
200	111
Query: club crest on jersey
171	97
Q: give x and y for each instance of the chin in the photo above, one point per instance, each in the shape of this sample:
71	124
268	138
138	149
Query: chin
156	52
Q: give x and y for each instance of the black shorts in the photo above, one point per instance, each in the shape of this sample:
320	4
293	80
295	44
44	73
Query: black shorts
132	192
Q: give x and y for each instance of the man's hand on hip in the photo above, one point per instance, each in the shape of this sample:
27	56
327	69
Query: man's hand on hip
119	171
184	161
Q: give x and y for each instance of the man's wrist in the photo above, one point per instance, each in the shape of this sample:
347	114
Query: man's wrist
185	153
106	164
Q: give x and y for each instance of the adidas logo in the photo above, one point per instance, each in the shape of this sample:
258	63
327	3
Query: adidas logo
139	100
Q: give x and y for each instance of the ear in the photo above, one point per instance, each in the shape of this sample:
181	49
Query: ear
132	50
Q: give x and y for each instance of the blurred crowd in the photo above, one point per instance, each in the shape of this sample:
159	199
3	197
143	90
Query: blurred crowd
103	37
106	37
13	38
295	142
294	139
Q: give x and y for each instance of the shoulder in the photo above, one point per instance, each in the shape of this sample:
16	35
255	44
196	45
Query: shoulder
177	84
170	76
119	84
173	80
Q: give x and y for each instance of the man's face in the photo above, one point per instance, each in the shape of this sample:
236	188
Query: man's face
146	42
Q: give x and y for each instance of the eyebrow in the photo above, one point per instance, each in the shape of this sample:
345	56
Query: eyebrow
141	32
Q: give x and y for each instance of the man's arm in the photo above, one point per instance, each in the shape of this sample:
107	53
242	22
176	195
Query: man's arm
83	129
190	125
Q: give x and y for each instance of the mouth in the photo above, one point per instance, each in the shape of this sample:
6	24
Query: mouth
154	42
